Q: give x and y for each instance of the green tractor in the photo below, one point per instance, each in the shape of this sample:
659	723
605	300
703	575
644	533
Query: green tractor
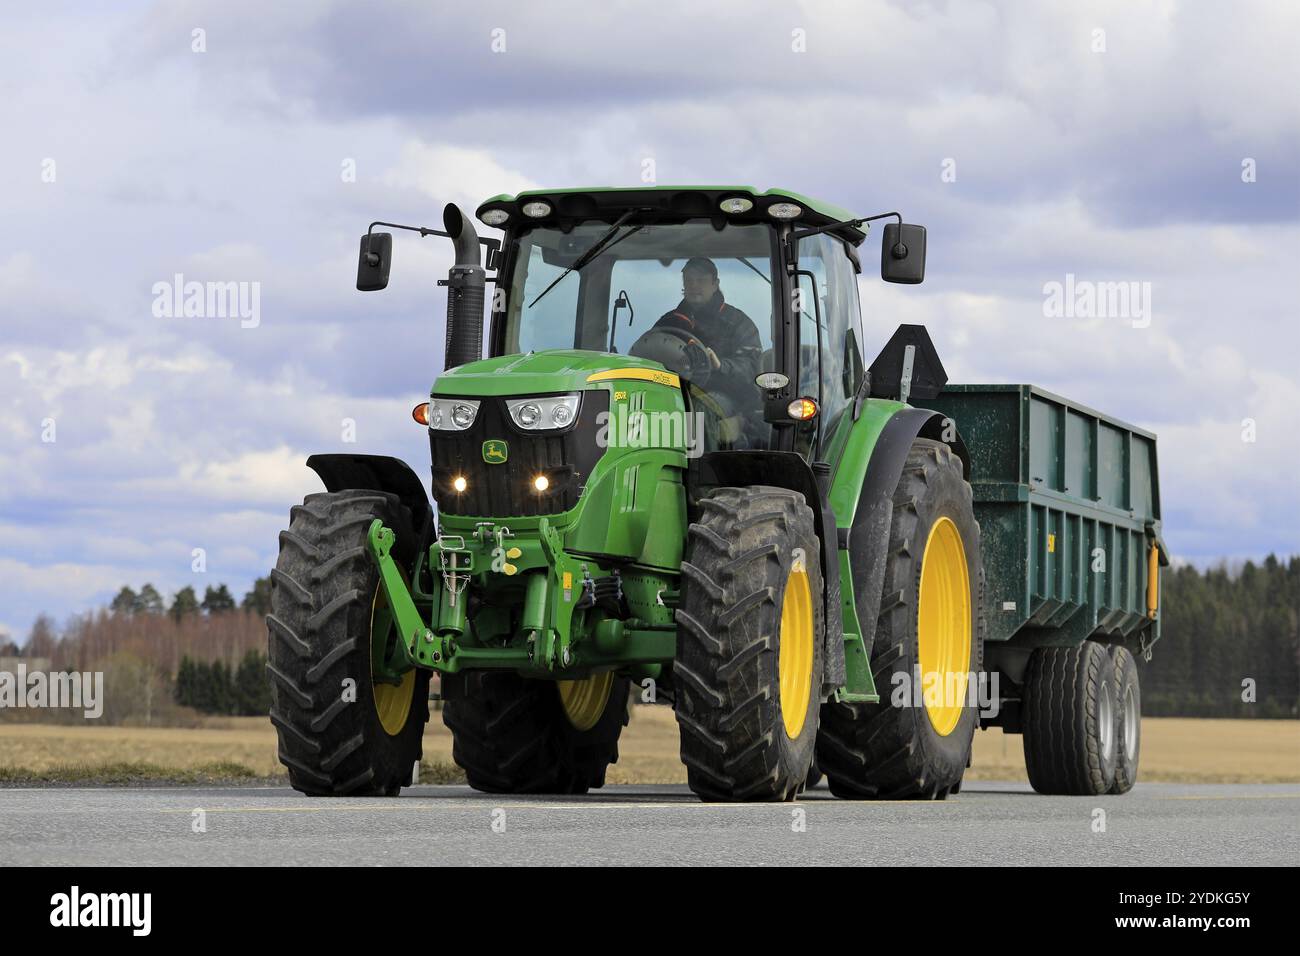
674	477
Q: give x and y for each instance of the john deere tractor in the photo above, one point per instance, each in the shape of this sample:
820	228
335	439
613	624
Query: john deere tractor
675	478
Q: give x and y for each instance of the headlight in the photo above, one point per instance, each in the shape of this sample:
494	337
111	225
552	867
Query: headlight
541	413
452	414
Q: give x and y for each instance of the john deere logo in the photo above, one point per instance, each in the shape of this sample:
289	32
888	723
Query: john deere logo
495	451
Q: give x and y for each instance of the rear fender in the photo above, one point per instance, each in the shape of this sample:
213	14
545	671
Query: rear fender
865	517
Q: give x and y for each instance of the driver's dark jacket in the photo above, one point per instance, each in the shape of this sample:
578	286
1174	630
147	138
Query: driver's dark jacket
734	339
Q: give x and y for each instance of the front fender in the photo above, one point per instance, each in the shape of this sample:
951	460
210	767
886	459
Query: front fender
377	473
785	469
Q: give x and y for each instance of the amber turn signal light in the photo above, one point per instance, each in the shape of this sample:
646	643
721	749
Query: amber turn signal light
421	413
802	409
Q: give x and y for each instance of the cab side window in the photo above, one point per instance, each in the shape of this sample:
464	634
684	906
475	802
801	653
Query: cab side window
830	350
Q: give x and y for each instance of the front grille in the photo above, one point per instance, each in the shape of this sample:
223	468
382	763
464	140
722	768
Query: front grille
506	490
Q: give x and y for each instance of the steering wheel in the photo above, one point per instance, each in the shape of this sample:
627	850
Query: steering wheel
680	351
675	349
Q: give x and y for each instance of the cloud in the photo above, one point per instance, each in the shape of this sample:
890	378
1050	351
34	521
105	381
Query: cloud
453	173
65	584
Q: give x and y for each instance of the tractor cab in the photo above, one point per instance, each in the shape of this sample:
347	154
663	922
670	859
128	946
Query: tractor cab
769	345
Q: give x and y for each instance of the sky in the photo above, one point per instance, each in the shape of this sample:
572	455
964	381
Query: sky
1149	143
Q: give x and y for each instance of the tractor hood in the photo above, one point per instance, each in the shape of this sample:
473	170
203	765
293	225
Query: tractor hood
557	370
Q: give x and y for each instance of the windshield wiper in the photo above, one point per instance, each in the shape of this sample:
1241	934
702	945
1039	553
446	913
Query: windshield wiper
590	254
755	268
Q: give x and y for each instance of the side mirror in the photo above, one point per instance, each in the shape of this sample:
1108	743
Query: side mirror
902	253
373	261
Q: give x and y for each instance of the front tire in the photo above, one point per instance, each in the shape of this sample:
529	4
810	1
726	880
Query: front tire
511	734
748	669
340	732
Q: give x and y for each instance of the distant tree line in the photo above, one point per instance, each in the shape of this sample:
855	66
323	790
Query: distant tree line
216	600
1227	635
213	688
142	645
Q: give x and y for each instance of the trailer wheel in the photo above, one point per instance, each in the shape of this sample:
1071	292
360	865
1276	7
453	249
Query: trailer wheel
511	734
341	733
1069	712
930	622
1129	737
748	669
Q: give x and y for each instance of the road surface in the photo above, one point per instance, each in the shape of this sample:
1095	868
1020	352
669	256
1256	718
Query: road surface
988	823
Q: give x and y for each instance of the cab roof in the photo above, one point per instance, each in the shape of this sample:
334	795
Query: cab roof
607	202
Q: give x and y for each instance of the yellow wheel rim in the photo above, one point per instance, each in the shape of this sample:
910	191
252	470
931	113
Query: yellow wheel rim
392	701
943	626
795	652
584	700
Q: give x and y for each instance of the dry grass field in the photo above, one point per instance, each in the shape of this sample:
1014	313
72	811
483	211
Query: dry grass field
1173	749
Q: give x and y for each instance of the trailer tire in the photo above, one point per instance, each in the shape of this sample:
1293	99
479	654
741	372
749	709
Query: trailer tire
1128	737
748	669
1069	716
340	733
511	734
883	751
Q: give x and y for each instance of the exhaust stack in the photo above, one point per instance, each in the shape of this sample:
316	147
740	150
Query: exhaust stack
466	282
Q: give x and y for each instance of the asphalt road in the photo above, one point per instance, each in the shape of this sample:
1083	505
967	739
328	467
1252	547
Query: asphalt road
1157	824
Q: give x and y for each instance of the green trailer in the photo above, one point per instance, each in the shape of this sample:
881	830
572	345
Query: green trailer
1068	504
826	566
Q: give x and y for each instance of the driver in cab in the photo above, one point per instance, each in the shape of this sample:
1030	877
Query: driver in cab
727	335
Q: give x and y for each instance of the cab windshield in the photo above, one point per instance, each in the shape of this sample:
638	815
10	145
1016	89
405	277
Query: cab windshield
696	299
624	291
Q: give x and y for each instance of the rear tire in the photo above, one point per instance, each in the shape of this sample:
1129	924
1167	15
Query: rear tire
1070	721
511	734
748	670
325	587
884	750
1129	732
815	775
